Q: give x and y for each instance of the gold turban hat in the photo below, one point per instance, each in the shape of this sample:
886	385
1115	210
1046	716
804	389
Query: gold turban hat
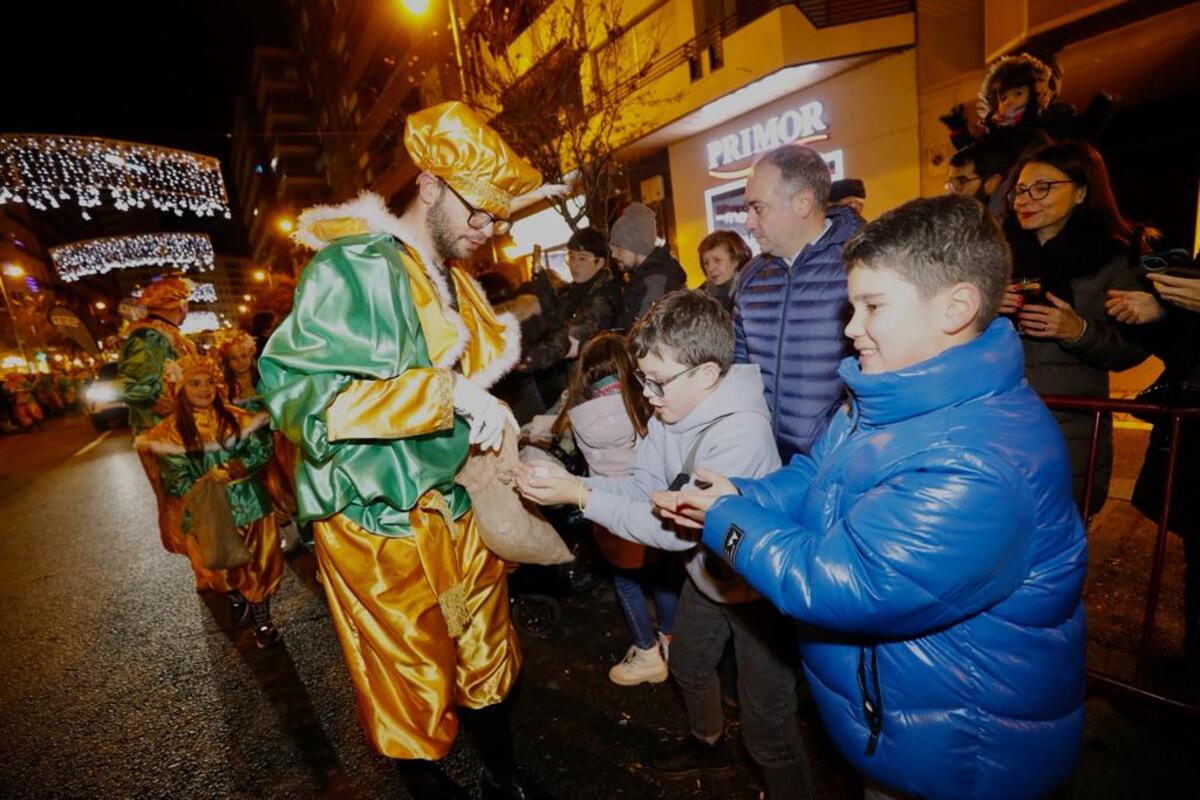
229	339
176	372
450	141
166	293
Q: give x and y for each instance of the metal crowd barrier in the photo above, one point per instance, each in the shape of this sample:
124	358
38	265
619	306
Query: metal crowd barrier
1097	407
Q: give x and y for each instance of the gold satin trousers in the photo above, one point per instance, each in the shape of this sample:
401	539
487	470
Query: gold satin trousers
424	625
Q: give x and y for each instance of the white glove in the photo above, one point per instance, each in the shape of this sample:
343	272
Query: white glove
485	413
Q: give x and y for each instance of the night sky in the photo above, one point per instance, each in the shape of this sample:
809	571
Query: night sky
166	73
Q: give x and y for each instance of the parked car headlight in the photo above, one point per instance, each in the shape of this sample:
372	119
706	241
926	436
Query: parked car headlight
101	393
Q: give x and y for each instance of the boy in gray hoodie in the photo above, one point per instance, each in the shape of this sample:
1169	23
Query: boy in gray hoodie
708	413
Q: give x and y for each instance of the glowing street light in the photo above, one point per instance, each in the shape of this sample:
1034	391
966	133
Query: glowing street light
286	224
101	305
418	8
243	308
14	271
260	275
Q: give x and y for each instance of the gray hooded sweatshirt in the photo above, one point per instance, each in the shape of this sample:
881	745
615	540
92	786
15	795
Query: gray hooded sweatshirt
740	443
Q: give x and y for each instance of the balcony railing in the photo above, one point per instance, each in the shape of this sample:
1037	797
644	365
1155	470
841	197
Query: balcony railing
1137	687
821	13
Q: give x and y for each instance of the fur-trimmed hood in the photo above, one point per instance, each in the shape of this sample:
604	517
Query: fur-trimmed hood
319	226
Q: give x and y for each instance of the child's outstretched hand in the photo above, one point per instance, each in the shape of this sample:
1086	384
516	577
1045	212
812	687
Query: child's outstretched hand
1133	308
688	508
548	484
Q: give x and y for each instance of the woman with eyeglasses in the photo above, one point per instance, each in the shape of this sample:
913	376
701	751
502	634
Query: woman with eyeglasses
1071	246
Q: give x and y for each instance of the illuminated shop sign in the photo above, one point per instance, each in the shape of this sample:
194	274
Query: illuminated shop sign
803	124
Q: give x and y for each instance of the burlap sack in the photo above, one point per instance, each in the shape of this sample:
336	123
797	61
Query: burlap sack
511	528
217	537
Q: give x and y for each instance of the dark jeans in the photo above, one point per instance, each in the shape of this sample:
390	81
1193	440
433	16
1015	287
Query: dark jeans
764	647
630	586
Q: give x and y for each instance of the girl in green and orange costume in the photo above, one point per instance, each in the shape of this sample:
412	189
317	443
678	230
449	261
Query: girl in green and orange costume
204	436
239	361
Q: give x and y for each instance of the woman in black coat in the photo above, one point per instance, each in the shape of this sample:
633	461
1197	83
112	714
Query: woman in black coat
1070	247
1174	337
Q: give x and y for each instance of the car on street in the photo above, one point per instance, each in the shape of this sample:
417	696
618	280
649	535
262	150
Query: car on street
104	401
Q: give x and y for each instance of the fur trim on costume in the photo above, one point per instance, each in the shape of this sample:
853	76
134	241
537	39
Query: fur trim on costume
368	207
373	212
511	354
159	447
508	359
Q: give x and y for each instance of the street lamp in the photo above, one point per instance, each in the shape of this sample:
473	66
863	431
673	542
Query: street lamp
286	224
101	305
419	7
14	271
260	275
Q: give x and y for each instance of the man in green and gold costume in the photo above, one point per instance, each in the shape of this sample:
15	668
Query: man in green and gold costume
153	340
379	375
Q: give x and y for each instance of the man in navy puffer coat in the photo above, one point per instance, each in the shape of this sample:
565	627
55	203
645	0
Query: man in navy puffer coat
791	303
930	540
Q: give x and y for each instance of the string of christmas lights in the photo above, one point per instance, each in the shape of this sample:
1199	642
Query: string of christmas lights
197	321
42	170
203	293
183	251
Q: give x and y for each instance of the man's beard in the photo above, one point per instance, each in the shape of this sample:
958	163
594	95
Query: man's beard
446	244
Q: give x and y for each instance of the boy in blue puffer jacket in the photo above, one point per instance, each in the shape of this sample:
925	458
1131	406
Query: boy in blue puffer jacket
930	540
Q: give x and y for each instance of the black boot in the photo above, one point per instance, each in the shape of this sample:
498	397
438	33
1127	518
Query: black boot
693	757
238	608
265	633
424	780
500	779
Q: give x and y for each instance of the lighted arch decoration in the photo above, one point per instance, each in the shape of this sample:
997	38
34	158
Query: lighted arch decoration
42	170
181	251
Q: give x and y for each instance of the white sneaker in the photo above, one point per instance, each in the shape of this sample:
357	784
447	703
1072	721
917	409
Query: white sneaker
640	666
664	641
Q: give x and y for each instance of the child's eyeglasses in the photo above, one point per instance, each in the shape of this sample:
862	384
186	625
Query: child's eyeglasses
659	388
1038	190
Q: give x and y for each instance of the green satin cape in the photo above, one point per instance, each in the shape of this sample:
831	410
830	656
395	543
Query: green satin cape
354	318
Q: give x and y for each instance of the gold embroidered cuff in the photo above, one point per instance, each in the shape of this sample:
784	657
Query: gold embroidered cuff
417	402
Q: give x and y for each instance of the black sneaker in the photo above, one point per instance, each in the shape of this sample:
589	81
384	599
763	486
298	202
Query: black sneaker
265	632
692	757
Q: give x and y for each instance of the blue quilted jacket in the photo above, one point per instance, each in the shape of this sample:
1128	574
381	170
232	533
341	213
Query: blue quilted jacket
932	543
788	319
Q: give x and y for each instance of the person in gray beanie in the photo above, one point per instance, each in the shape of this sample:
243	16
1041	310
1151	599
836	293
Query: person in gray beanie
649	271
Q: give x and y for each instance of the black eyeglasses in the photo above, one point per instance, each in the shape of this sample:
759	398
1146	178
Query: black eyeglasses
659	388
959	182
1038	190
480	219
